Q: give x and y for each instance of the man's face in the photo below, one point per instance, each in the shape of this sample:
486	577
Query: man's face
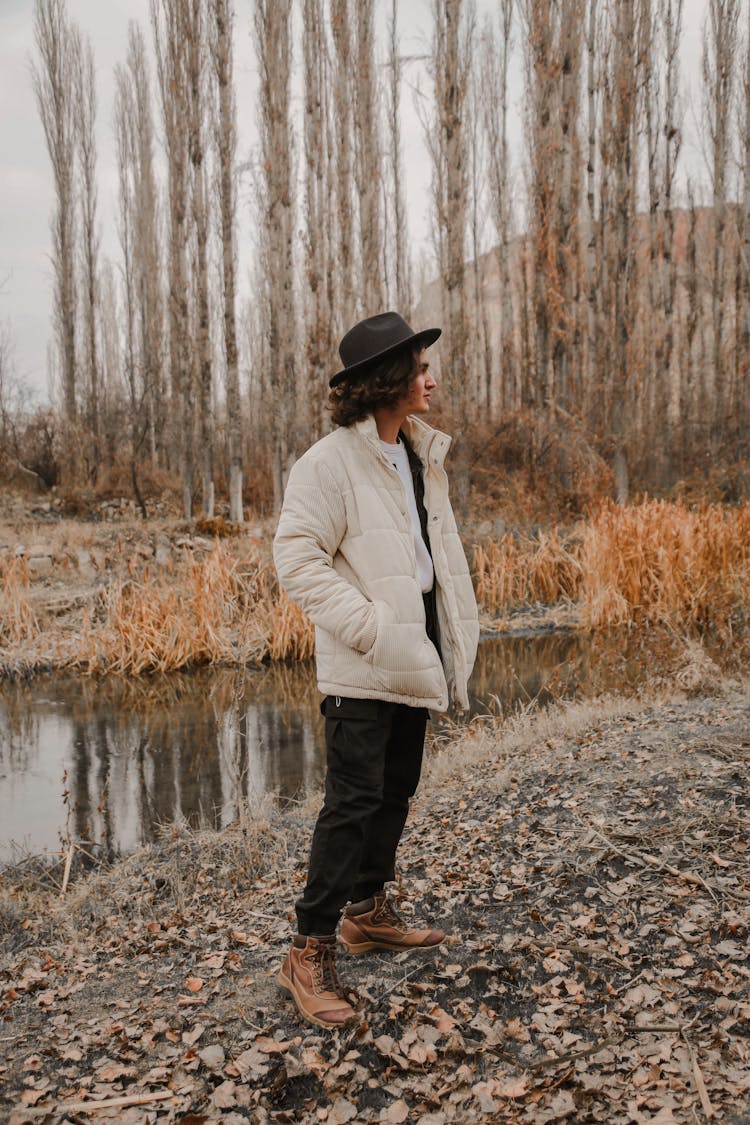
417	398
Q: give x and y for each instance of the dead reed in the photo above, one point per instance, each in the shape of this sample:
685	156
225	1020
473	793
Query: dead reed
664	563
217	610
291	634
18	622
653	563
521	570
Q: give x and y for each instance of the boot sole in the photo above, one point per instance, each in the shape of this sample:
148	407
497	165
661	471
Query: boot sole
355	948
308	1017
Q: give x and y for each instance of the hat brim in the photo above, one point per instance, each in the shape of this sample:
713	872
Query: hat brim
418	340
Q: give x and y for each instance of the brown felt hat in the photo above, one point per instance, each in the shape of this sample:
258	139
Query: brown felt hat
376	337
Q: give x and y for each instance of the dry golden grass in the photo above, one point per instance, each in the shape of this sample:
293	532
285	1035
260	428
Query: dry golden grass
216	610
653	563
664	563
18	622
656	563
291	633
521	570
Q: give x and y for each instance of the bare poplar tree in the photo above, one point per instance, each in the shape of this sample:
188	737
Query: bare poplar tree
347	297
85	89
480	348
111	362
399	241
504	388
554	68
320	217
658	44
194	29
744	310
272	36
54	77
651	404
671	21
719	50
367	162
146	223
619	158
451	59
126	140
139	228
169	25
592	261
222	16
690	388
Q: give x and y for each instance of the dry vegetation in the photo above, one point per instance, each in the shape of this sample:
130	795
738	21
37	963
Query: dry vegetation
659	562
18	623
656	563
653	563
217	611
520	570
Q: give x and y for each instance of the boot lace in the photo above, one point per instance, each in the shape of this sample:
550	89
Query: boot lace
387	913
324	962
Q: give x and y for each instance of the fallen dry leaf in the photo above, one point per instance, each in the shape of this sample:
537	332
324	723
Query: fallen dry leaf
395	1113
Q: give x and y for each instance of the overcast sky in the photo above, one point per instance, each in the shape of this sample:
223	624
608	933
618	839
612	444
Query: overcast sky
26	190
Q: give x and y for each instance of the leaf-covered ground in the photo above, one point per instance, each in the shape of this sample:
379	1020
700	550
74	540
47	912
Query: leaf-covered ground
590	863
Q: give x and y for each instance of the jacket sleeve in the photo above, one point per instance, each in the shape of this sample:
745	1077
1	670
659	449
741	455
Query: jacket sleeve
311	527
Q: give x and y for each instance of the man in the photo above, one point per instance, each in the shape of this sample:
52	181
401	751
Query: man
367	546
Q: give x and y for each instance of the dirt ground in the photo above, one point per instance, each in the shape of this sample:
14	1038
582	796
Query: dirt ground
589	862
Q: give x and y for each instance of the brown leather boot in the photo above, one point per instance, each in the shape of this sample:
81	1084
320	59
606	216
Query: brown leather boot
374	924
309	975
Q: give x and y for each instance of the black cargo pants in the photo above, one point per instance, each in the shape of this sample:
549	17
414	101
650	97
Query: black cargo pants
374	758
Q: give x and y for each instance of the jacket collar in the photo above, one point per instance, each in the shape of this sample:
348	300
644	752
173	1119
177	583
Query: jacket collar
430	445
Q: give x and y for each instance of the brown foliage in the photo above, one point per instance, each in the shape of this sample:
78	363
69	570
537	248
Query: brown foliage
530	468
18	621
519	569
216	611
658	562
654	563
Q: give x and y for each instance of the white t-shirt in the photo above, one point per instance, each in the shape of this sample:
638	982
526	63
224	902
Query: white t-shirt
399	458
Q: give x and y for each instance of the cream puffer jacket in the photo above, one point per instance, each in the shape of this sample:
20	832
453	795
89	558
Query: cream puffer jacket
344	552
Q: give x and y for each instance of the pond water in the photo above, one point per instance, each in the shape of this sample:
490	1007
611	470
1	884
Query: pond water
111	761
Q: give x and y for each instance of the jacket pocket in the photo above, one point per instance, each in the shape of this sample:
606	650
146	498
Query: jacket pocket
384	617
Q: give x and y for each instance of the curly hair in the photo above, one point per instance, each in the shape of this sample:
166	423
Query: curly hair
380	384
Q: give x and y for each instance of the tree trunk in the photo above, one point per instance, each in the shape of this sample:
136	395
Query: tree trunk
148	264
671	17
226	140
86	124
272	33
170	34
744	310
54	76
399	242
348	301
623	161
503	391
320	219
452	54
195	30
368	159
719	49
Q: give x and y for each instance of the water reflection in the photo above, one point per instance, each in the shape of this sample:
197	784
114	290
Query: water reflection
109	762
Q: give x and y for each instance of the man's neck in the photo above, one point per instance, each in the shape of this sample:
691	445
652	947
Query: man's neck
389	422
